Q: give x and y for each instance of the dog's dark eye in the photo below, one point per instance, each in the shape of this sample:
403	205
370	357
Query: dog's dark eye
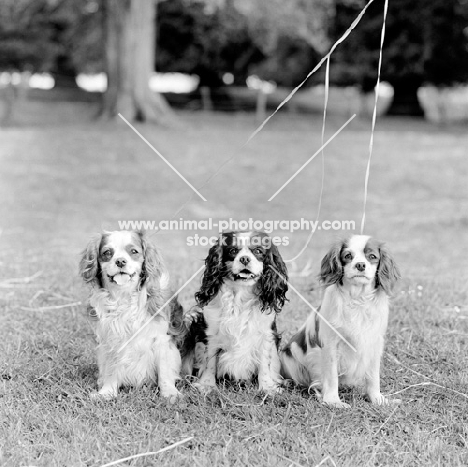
134	252
258	251
106	254
372	257
233	251
348	256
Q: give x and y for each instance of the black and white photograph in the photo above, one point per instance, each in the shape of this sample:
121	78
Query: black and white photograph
233	233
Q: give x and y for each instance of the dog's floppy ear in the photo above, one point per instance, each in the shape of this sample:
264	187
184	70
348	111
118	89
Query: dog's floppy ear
154	276
153	265
274	281
331	271
388	272
213	275
89	267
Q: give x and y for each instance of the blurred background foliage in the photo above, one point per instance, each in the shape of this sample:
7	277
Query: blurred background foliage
277	40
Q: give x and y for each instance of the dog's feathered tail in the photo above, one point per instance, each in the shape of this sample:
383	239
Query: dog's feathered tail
190	331
296	357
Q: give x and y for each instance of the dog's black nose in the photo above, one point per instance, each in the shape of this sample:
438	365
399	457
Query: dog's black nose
120	262
361	266
245	260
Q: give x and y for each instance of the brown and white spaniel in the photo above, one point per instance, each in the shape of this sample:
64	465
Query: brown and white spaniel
343	344
138	323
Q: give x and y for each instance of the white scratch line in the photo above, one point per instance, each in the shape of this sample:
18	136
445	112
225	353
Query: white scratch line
374	115
162	157
326	57
159	311
312	308
313	157
328	458
386	421
53	307
325	106
167	448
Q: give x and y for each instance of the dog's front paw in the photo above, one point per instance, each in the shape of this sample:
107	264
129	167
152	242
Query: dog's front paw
335	403
270	388
172	396
273	391
204	388
104	394
192	316
168	390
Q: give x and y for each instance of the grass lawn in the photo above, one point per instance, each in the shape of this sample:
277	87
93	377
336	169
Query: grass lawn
64	177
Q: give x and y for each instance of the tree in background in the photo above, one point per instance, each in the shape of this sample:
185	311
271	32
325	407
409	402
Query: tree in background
26	36
65	37
292	35
55	36
446	42
129	38
205	39
305	20
26	46
425	42
274	39
78	32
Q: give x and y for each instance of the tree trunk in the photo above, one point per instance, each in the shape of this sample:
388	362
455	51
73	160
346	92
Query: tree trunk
129	27
64	73
8	95
405	98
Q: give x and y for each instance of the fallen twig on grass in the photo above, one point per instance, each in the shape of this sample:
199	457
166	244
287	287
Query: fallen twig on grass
35	296
331	420
60	296
424	383
386	421
20	280
406	367
290	460
430	383
235	404
328	458
52	307
143	454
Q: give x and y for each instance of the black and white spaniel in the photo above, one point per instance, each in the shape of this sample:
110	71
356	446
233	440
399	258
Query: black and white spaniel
137	336
243	288
344	342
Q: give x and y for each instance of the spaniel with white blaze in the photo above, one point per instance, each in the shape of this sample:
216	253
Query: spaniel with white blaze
137	338
243	288
359	275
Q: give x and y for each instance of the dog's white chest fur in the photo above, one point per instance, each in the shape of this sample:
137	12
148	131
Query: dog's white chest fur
119	320
237	326
363	323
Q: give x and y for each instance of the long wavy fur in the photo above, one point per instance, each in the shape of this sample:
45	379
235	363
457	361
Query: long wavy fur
331	271
273	286
213	276
387	272
89	268
155	276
